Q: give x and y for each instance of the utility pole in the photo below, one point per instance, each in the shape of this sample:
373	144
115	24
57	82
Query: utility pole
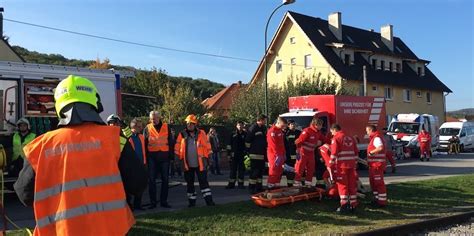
365	80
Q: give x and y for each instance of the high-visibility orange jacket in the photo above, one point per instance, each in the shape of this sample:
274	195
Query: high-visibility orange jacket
158	141
203	148
142	141
78	187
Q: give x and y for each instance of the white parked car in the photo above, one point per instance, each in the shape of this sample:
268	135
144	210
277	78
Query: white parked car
463	130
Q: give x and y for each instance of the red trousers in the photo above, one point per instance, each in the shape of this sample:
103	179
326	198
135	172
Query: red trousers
377	183
305	163
346	180
425	150
274	172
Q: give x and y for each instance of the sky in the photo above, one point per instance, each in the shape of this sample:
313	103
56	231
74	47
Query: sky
440	31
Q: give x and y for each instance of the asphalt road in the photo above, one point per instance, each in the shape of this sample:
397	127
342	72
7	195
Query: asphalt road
440	166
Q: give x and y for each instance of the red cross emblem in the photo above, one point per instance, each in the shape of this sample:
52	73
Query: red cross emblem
347	141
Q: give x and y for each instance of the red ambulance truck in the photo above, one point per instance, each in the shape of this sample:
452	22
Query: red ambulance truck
352	113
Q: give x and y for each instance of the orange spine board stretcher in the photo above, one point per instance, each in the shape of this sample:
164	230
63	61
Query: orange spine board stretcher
300	194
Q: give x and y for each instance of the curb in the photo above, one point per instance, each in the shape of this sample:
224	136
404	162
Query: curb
420	226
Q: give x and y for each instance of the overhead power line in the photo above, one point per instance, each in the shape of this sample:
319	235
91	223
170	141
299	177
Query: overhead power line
149	45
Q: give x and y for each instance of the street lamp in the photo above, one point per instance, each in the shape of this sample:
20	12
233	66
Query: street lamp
284	2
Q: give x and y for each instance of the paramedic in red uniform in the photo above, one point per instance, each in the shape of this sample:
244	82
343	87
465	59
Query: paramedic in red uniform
276	152
424	139
344	157
377	162
309	140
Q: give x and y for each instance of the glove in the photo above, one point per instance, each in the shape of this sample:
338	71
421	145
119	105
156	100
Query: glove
394	169
298	156
279	161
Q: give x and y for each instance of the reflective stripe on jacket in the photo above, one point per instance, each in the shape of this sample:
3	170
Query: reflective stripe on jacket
378	159
78	187
158	141
344	151
203	148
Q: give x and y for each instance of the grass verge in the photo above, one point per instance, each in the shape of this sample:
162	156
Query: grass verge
408	202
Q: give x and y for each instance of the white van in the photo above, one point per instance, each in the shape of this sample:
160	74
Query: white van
464	131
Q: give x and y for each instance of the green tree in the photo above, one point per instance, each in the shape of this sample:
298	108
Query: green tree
178	102
250	103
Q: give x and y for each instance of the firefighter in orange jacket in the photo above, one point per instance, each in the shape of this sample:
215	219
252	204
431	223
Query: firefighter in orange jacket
276	152
193	148
344	155
76	176
377	163
424	139
309	140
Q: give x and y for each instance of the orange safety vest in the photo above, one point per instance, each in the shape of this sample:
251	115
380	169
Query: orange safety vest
158	141
380	158
142	141
203	148
78	187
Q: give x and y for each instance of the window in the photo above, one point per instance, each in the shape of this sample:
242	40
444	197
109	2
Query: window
398	67
293	61
292	40
428	97
382	64
406	95
361	90
419	71
350	39
388	93
418	94
321	33
308	62
347	59
374	63
279	66
375	44
374	88
390	66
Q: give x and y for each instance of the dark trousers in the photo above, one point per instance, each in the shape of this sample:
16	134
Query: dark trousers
215	163
237	169
256	172
175	167
158	165
290	176
189	176
320	169
15	167
134	202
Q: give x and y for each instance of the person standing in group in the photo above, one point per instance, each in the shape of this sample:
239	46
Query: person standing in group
291	135
215	146
20	139
175	165
193	148
76	176
424	139
236	151
344	154
159	152
256	144
389	143
377	161
276	152
310	139
137	141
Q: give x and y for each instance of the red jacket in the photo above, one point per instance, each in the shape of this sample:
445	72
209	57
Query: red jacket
344	151
378	158
310	139
275	142
424	138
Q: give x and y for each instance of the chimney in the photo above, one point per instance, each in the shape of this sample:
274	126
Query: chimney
1	22
387	36
335	24
239	83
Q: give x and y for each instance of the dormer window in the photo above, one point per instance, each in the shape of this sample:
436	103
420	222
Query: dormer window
398	67
382	64
347	59
374	63
418	70
390	66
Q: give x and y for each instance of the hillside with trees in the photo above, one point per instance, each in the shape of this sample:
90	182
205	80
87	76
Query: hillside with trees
175	96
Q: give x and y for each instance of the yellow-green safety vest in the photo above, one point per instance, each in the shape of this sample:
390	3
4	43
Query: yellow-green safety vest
18	146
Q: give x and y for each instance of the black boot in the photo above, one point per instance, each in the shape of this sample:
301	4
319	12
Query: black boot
209	201
230	185
241	185
346	208
192	202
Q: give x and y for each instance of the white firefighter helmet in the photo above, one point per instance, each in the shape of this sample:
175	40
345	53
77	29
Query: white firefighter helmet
23	121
